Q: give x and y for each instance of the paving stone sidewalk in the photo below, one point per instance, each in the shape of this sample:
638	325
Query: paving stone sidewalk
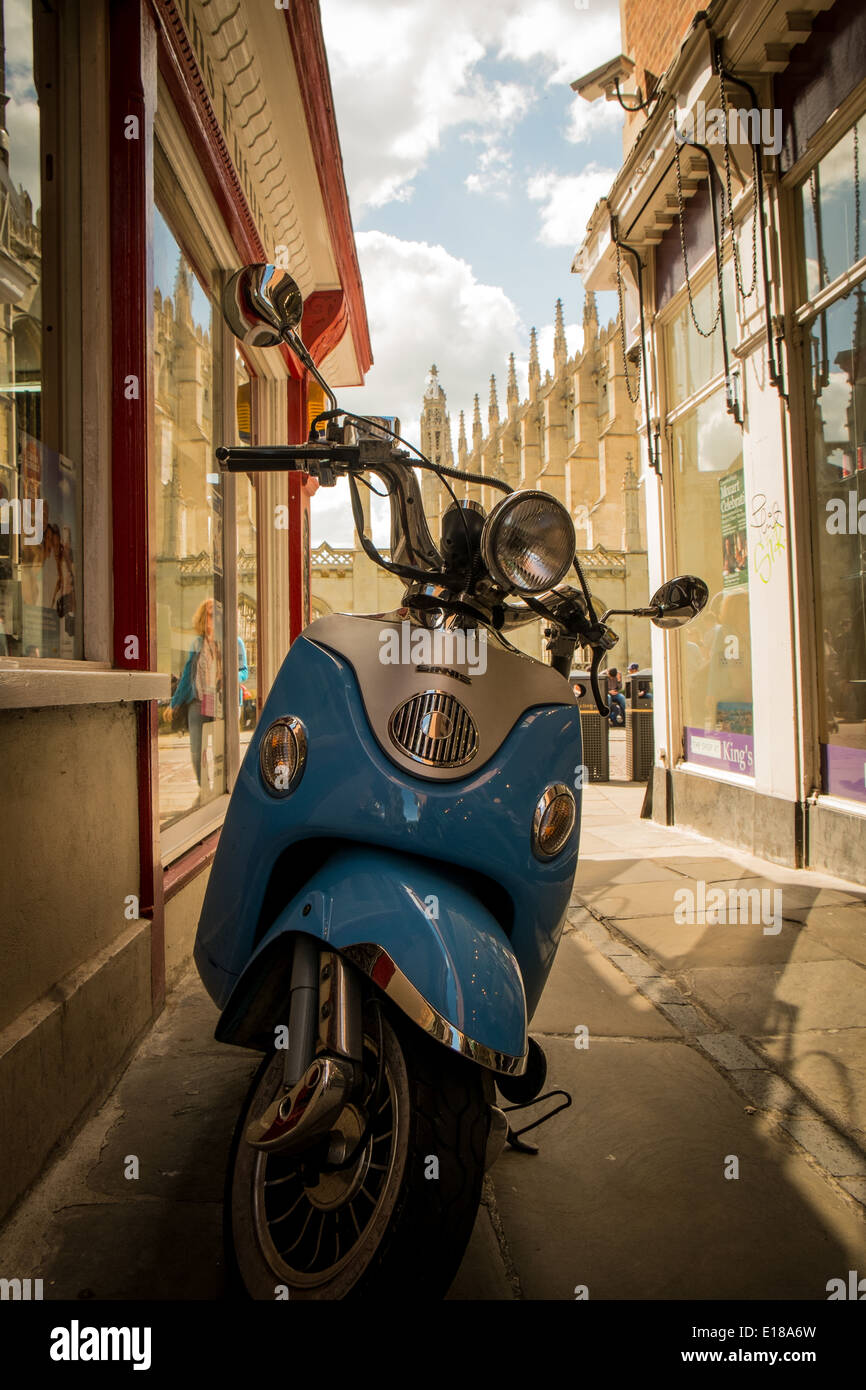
777	1001
714	1148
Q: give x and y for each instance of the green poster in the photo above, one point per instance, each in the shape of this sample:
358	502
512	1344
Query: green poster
732	504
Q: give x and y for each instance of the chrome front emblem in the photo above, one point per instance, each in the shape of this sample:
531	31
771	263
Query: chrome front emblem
436	725
434	728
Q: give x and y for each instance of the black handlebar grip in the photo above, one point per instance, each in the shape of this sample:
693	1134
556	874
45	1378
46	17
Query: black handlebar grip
282	458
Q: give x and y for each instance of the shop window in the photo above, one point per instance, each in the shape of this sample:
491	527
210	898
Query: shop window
712	540
837	339
189	533
834	211
692	359
40	487
834	241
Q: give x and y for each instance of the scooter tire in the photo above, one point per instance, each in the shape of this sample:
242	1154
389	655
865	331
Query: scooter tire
417	1236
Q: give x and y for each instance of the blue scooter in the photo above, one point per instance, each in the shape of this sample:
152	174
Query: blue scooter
394	870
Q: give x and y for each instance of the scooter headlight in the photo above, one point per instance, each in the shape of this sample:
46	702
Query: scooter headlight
554	820
283	755
528	542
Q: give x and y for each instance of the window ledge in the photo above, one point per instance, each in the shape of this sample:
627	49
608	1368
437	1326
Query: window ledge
30	687
175	840
717	774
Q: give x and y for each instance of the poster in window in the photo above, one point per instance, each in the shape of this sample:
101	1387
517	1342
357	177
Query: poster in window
50	556
732	504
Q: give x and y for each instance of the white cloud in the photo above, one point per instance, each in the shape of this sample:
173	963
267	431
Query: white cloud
404	74
572	40
587	119
493	174
567	202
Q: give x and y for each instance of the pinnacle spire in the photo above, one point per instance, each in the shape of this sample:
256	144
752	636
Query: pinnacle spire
512	397
560	347
432	387
461	440
590	315
534	369
477	434
493	406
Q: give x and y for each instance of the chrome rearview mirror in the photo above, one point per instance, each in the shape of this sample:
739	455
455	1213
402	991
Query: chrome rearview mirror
261	304
678	601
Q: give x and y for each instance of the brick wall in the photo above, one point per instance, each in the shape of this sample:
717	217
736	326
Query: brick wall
653	31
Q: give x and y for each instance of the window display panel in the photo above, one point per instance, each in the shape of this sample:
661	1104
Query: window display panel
838	391
248	660
189	535
713	540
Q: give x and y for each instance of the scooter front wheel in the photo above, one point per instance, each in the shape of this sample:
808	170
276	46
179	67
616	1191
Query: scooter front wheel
396	1221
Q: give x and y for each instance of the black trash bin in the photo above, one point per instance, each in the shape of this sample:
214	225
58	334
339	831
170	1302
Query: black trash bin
593	729
639	744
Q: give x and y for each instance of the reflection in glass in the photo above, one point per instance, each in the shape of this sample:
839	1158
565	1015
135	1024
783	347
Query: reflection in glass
189	548
693	360
716	531
834	211
838	389
248	658
40	494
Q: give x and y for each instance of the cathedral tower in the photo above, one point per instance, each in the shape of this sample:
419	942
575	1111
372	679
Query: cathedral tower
436	444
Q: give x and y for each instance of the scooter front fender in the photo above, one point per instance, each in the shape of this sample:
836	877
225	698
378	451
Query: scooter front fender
419	933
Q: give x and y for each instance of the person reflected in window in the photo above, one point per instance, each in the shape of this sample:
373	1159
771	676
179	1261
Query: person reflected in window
200	684
243	671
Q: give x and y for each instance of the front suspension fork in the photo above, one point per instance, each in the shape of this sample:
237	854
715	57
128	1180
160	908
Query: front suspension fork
324	1057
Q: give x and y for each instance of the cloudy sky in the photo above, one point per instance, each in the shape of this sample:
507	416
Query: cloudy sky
472	169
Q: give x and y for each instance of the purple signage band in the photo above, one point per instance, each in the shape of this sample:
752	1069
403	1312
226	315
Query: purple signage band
844	771
719	749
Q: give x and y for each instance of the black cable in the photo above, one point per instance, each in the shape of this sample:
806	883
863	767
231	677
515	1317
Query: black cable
439	469
424	462
585	588
368	484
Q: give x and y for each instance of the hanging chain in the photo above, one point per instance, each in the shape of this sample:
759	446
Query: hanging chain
704	332
738	268
620	292
823	272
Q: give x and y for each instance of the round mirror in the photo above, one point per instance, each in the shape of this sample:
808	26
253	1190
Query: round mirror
679	600
261	303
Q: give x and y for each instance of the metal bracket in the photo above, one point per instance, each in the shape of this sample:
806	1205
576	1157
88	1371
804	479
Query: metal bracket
614	233
774	364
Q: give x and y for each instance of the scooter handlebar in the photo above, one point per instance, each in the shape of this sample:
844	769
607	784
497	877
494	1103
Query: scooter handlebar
283	458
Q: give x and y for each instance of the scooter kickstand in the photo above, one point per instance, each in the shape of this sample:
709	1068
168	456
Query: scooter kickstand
514	1136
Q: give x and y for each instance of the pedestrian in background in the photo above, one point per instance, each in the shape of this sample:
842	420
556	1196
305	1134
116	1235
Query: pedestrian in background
615	698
